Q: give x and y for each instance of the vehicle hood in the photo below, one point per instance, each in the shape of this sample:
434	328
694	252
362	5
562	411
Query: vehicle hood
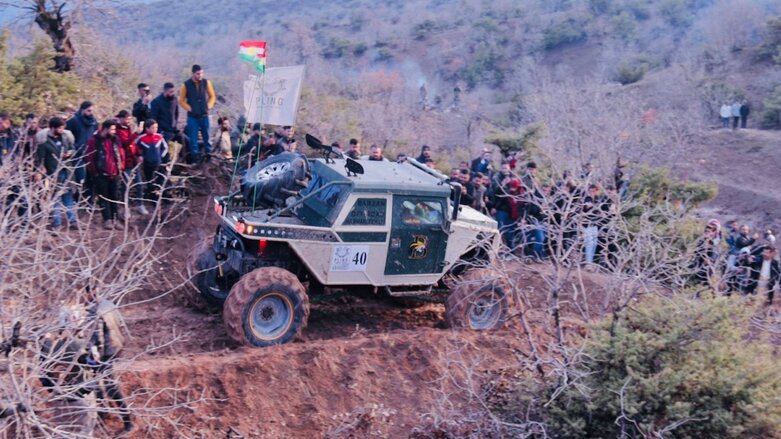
471	216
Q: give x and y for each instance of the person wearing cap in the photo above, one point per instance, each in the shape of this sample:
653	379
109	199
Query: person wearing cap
142	108
52	156
197	97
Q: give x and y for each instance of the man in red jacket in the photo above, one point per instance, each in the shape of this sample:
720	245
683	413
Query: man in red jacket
105	163
132	175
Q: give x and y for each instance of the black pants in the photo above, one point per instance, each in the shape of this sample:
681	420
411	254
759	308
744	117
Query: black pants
111	387
153	179
107	189
743	120
735	120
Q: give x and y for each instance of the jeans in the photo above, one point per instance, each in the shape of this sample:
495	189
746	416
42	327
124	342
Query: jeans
590	235
65	200
725	122
195	125
536	236
506	227
133	180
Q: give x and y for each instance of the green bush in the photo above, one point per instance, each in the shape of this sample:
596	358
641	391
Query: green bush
676	13
599	7
771	115
335	48
770	49
421	30
526	142
629	72
383	54
562	34
639	8
624	25
485	68
677	364
28	85
655	186
360	49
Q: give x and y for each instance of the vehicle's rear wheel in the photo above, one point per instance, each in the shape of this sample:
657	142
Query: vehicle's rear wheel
477	301
213	281
268	306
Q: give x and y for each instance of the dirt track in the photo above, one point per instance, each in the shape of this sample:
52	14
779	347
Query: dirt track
382	364
297	390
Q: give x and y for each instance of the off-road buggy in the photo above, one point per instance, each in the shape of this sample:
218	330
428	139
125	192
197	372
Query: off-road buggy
299	227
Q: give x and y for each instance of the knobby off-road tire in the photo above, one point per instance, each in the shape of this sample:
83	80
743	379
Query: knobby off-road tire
477	301
268	306
204	267
274	179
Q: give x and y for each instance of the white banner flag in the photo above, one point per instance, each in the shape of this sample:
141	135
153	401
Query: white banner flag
273	98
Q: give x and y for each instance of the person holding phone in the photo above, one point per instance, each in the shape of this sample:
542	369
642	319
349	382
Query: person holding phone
142	108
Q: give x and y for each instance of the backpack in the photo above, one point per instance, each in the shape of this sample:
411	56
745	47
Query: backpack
109	330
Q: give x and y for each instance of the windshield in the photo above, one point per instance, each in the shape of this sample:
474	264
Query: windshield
322	208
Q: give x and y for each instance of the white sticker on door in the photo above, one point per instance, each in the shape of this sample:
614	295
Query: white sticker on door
349	257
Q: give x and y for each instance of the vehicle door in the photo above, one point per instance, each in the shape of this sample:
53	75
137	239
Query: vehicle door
418	237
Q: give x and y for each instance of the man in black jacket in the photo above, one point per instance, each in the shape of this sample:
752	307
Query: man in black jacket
83	125
763	273
142	107
744	112
197	97
165	111
51	156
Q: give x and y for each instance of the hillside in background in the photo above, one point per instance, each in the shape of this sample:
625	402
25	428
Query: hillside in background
589	72
595	79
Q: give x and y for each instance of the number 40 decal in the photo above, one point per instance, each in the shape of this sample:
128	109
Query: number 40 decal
349	257
360	258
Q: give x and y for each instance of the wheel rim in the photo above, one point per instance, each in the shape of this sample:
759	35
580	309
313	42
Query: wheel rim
271	316
485	310
272	170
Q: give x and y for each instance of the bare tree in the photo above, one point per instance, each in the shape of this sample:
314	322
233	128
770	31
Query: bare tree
50	281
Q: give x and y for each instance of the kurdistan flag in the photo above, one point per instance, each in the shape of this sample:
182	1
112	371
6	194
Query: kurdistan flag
254	52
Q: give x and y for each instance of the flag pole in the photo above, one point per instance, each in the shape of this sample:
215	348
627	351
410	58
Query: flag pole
262	79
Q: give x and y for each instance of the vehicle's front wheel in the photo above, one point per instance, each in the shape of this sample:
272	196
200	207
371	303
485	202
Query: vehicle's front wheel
477	301
268	306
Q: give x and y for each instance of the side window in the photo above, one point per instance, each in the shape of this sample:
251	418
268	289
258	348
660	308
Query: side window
367	212
421	212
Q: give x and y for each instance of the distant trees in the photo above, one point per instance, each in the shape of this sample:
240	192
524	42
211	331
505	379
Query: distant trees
29	84
560	34
771	116
770	49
